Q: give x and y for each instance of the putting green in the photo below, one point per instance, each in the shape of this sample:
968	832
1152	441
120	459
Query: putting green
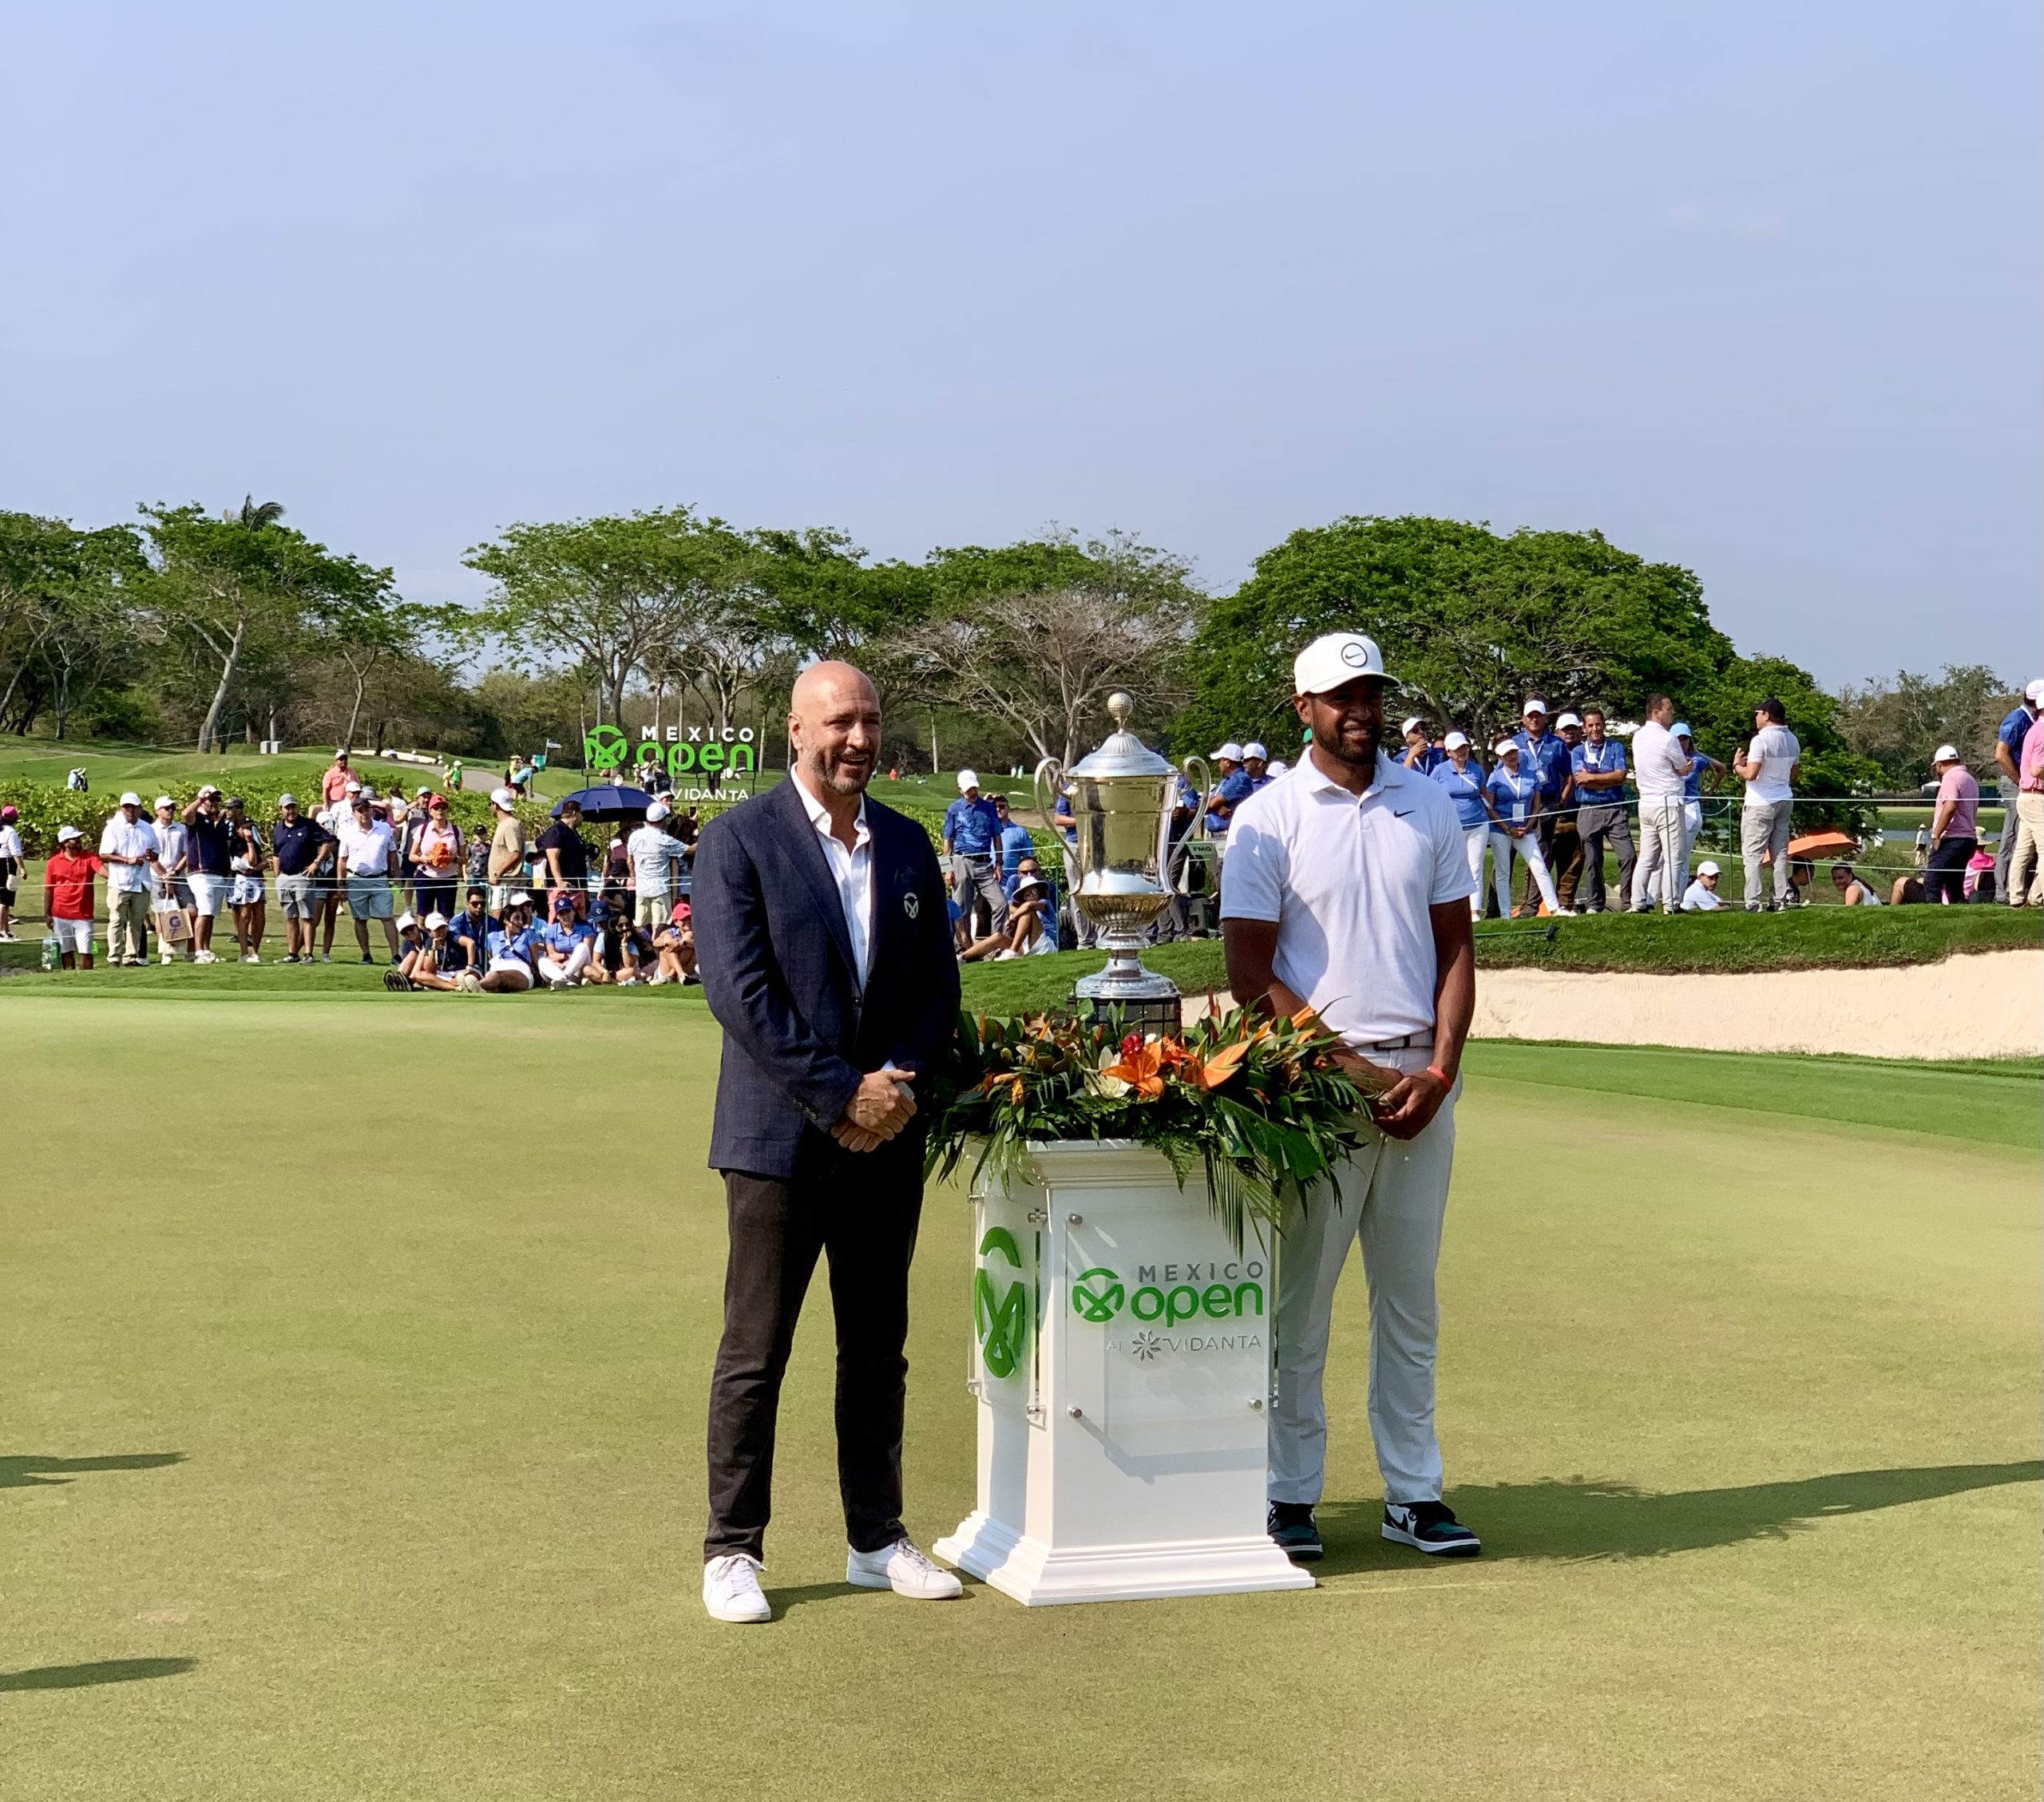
356	1359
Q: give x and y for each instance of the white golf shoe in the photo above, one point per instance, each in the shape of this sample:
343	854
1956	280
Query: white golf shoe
903	1569
731	1591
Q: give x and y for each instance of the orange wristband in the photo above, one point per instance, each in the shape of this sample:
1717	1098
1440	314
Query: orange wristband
1435	1070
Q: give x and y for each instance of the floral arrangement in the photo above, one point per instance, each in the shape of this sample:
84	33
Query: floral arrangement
1260	1103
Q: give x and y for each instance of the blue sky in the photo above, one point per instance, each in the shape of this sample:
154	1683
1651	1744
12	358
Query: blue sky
1751	288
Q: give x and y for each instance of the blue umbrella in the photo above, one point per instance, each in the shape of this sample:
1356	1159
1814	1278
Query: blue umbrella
608	801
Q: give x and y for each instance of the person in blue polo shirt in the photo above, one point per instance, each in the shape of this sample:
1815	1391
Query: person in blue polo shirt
1013	843
1421	752
1514	792
972	830
2008	766
1597	773
1463	777
1256	765
1232	785
1542	754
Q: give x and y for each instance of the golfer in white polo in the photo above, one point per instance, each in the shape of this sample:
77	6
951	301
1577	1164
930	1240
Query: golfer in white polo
1346	889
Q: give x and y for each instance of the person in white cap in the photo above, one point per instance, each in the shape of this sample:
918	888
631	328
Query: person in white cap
1232	786
1659	768
127	847
1346	889
368	860
972	831
1517	808
507	849
1954	827
1256	764
1701	895
2008	769
1279	767
67	898
1421	752
1461	777
654	852
1544	755
1769	769
170	901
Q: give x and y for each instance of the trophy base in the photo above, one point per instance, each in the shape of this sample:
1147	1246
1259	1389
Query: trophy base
1139	1000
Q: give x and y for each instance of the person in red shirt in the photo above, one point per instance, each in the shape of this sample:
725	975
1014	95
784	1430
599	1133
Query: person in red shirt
67	896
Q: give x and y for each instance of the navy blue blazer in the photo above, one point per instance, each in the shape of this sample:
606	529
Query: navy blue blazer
778	972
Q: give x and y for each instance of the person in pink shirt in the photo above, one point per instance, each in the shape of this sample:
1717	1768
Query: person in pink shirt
1955	829
2026	862
334	784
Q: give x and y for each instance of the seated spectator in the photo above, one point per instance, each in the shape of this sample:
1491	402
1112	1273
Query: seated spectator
411	941
440	963
473	924
1701	895
1979	881
622	953
674	947
566	945
510	969
1028	932
1852	891
1907	892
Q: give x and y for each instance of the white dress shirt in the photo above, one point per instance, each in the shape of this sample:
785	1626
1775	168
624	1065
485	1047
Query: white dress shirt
851	869
128	839
1658	765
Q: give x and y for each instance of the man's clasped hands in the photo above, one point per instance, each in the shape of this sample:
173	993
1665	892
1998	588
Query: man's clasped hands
880	1107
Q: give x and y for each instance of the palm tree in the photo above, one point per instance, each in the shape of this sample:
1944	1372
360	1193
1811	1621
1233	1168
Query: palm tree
252	515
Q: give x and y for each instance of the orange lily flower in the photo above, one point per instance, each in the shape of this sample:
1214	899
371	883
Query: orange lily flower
1142	1070
1221	1066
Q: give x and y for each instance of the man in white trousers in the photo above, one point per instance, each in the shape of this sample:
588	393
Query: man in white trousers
1346	889
1658	769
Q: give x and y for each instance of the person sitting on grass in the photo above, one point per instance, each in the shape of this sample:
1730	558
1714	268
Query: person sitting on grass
565	945
616	960
509	971
473	924
411	941
1026	932
440	961
674	947
67	898
1701	895
1852	891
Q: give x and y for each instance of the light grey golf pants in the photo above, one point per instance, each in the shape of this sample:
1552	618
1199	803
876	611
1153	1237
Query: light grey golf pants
1662	871
1764	826
979	878
1393	1194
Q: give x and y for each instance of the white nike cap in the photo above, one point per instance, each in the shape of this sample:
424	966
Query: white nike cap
503	797
1535	704
131	799
2035	693
1706	868
1504	745
1411	726
1230	750
967	779
1455	741
1945	753
1568	719
1333	659
1255	750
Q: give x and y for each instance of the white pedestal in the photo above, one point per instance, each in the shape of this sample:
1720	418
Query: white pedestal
1121	1355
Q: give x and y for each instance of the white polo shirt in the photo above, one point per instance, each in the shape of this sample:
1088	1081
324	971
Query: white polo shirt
128	838
1348	881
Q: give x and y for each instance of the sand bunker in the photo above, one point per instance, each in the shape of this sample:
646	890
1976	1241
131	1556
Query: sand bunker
1988	1005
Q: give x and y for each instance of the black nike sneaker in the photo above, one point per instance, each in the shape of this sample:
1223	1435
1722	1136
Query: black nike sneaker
1428	1526
1290	1525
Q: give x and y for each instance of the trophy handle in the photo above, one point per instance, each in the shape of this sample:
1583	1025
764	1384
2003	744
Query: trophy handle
1200	773
1046	797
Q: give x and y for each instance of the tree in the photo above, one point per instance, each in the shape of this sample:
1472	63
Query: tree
1471	622
227	588
610	592
69	611
827	600
1038	634
1899	724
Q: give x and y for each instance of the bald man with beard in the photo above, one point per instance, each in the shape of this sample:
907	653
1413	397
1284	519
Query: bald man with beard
825	948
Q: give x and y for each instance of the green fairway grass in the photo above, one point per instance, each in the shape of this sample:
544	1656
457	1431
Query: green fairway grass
357	1357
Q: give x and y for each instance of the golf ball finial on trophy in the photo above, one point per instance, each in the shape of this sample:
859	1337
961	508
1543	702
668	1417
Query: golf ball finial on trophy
1121	796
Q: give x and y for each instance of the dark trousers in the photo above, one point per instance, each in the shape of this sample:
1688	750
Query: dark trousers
1600	826
1944	879
860	1212
1565	859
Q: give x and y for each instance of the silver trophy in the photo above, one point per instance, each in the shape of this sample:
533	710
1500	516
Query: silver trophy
1122	798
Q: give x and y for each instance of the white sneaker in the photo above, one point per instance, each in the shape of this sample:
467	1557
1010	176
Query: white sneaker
902	1568
204	957
250	957
731	1591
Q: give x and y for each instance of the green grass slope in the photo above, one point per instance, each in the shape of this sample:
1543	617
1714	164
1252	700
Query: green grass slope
356	1364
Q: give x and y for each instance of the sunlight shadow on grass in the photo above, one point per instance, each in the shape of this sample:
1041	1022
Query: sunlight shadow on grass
85	1677
25	1473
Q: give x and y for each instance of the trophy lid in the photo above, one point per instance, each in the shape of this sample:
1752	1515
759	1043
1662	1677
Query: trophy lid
1122	754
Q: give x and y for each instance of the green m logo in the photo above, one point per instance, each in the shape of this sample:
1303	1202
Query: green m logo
603	748
1098	1305
1001	1322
